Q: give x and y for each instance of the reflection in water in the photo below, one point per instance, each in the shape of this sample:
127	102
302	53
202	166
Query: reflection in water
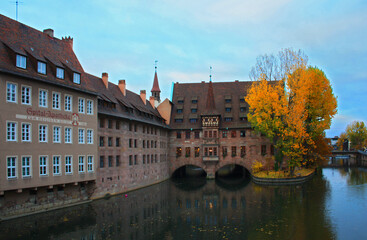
201	209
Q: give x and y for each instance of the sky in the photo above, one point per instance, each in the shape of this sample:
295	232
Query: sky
124	38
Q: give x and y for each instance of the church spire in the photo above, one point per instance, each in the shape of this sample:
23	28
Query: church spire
155	89
210	103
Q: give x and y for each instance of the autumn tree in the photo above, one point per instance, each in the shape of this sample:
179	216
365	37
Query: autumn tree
340	142
294	111
357	135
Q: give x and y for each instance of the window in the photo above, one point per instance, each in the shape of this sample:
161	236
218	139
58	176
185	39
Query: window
136	143
89	136
11	132
228	119
197	151
59	73
117	160
243	133
101	141
205	134
178	151
234	149
26	95
68	135
242	109
68	164
68	103
263	150
135	160
81	136
210	134
21	61
206	151
194	110
11	92
187	152
81	105
56	101
130	143
228	109
90	107
179	110
101	123
90	164
243	119
178	134
43	165
233	133
109	123
193	120
197	134
180	101
43	98
143	159
101	162
228	100
81	164
42	133
224	134
187	135
194	101
224	151
243	151
56	165
26	166
56	135
130	126
41	67
11	167
76	78
117	125
110	161
109	142
117	142
179	120
130	160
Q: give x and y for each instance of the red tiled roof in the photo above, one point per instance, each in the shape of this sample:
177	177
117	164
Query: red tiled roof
155	87
18	38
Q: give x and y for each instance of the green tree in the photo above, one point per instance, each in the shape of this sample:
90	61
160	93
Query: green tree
357	135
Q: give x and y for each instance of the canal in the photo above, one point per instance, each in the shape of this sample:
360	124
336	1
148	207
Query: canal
333	205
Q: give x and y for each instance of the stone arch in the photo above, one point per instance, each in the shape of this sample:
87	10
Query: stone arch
180	166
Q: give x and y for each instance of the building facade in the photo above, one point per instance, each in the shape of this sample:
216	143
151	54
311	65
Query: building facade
48	120
209	127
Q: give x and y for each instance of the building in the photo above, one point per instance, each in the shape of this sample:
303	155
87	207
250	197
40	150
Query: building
48	119
132	139
209	127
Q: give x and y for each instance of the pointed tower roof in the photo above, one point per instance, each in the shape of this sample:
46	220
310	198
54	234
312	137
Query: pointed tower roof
155	87
210	103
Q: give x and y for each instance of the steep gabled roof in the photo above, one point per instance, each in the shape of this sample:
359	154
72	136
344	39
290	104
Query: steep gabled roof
155	87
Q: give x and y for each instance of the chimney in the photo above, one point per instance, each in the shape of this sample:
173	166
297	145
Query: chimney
151	100
105	79
49	32
122	86
143	96
68	40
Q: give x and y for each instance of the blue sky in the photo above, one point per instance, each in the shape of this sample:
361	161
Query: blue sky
124	38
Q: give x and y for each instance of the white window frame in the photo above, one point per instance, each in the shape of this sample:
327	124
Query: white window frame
43	166
56	165
90	136
81	164
81	105
60	73
76	78
68	165
27	166
15	128
45	133
11	94
41	67
90	163
68	136
90	107
26	136
26	96
56	100
56	136
44	99
81	137
21	61
68	103
14	167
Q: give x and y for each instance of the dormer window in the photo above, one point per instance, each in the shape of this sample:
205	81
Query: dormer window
41	67
59	73
76	78
21	61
